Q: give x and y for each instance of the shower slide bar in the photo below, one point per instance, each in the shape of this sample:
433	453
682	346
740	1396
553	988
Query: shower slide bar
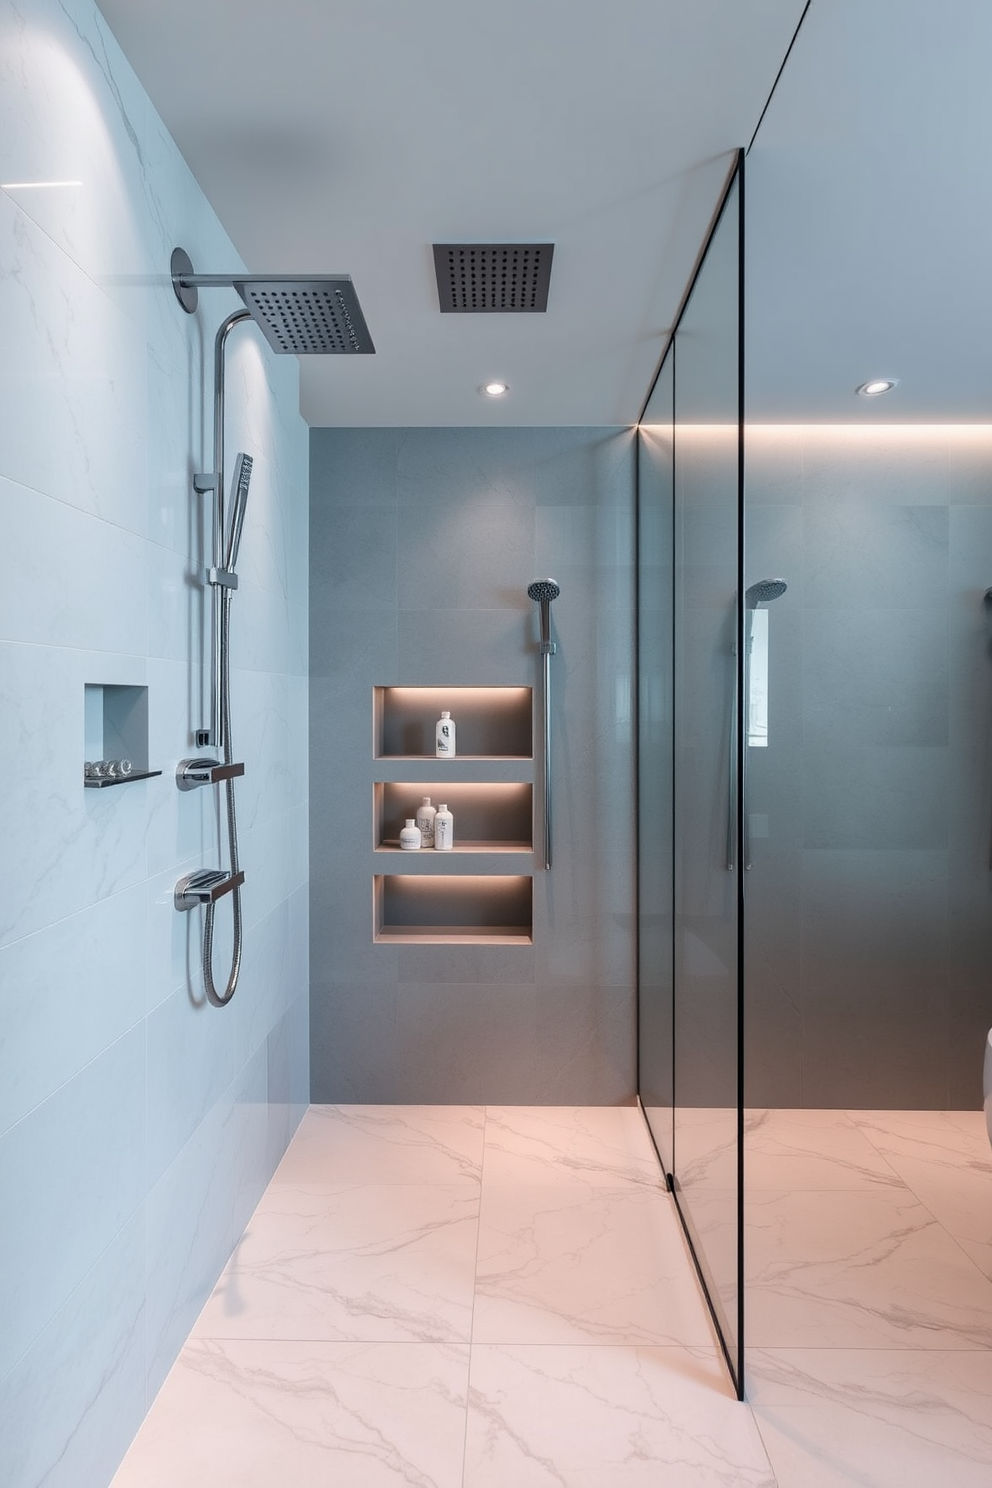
544	591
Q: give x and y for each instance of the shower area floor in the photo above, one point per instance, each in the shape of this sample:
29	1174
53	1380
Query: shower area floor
500	1297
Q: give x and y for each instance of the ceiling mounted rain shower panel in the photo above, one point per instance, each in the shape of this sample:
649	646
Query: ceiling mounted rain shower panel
493	277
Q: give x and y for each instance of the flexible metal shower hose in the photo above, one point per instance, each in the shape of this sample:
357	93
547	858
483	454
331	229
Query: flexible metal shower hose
219	999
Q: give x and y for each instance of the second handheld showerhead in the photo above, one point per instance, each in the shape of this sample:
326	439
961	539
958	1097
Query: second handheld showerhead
544	591
763	592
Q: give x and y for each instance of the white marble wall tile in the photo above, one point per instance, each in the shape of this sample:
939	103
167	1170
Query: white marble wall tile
606	1417
191	1062
198	1209
249	1415
577	1263
385	1144
879	1418
869	1269
73	408
275	857
172	947
76	580
69	1404
66	846
51	1024
76	1167
268	632
373	1262
605	1146
105	413
265	988
182	824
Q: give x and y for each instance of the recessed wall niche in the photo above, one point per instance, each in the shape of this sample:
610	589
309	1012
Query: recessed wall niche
115	727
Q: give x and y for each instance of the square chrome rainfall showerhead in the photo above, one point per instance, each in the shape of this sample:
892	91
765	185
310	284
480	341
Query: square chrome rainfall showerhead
308	315
493	277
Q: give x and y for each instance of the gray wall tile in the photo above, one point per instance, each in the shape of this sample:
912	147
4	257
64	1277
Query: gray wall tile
479	514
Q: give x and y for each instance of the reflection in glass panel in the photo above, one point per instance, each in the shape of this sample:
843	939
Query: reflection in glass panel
654	589
707	693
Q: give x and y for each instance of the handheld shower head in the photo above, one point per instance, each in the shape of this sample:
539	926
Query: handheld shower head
239	503
544	591
763	592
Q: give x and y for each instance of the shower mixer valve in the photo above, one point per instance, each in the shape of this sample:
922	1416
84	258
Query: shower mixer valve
193	772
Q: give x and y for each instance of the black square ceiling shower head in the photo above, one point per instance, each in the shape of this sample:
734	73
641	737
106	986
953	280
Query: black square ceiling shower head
473	277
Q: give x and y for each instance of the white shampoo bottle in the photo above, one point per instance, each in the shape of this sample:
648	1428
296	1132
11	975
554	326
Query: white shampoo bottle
425	821
444	829
445	737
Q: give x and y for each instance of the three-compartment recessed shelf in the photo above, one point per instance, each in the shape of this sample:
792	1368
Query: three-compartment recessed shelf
481	892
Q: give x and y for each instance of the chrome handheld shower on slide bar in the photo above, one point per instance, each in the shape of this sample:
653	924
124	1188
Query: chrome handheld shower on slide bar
543	591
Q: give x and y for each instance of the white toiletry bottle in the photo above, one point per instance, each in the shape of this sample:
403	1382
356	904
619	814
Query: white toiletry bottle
425	821
410	836
445	737
444	829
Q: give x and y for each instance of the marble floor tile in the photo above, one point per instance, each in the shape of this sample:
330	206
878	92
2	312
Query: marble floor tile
305	1415
706	1147
875	1418
607	1146
972	1122
794	1149
577	1263
602	1417
927	1135
871	1269
958	1194
385	1144
372	1262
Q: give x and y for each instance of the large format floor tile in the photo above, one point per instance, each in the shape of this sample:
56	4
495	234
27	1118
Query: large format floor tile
859	1270
456	1297
385	1144
305	1415
580	1417
605	1146
874	1418
574	1263
811	1150
372	1262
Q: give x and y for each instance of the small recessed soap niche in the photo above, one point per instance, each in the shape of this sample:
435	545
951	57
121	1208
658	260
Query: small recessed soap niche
115	727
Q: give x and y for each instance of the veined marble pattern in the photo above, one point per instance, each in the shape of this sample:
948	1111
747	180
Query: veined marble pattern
471	1297
877	1418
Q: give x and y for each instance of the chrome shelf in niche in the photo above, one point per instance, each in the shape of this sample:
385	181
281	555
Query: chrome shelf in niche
100	782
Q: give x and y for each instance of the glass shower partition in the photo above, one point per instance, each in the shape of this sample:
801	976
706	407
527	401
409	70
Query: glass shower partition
690	791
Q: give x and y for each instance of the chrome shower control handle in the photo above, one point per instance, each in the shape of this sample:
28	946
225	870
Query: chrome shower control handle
191	773
205	886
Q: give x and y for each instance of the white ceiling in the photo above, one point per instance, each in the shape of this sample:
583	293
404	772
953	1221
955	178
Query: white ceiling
869	225
349	135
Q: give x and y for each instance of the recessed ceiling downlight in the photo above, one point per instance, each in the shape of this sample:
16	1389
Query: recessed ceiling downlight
495	389
877	387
